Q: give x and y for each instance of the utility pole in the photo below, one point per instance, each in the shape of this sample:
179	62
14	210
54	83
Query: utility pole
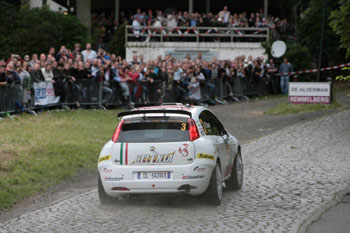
321	42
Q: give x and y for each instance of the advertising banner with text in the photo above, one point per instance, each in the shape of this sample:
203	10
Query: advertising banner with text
309	93
45	93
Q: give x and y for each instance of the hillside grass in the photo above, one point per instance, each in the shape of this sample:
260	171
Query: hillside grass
37	152
287	108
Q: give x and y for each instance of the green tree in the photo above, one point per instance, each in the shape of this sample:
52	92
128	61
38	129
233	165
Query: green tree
36	30
7	22
309	31
117	44
339	21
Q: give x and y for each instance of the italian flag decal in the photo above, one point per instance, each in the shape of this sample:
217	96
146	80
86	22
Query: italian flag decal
124	153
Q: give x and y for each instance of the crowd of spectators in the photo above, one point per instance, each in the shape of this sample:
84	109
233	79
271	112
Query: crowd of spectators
136	80
107	24
146	81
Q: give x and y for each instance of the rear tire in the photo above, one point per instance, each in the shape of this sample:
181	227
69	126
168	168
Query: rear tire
236	180
215	191
104	198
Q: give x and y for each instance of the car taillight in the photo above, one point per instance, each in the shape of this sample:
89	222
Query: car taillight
192	128
117	131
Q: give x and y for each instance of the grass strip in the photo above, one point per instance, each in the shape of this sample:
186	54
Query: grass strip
39	152
287	108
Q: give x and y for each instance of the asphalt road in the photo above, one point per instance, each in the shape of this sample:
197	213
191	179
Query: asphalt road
294	170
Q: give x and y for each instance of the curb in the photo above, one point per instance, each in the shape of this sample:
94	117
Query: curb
317	214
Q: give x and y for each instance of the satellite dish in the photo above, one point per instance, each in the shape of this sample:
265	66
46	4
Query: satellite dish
278	49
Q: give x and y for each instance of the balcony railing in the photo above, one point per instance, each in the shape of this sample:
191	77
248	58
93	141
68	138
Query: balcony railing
195	34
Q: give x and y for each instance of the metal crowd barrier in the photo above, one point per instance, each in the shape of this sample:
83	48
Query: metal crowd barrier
85	92
96	94
9	98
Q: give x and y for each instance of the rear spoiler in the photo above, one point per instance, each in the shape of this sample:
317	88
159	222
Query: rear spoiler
144	112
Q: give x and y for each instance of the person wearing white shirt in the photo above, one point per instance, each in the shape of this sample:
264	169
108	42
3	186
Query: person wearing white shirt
88	53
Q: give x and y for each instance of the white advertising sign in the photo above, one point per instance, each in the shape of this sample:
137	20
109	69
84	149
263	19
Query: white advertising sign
300	92
45	93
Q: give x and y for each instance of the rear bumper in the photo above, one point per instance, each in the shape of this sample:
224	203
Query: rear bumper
190	178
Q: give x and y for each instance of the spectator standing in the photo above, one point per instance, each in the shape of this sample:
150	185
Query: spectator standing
224	15
171	20
107	83
124	79
136	25
272	71
153	81
47	73
194	89
36	73
26	82
134	61
3	77
12	76
284	71
88	53
76	50
59	78
161	18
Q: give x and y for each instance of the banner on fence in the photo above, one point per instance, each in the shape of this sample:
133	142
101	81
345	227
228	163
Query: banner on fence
45	94
307	93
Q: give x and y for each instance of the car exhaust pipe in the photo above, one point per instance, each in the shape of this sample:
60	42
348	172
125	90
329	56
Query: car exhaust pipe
186	188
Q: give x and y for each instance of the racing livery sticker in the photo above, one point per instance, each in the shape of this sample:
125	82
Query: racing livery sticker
199	169
205	156
124	153
183	149
192	177
107	170
114	178
154	157
104	158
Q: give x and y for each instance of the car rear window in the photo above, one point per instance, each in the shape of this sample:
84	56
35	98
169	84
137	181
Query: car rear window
154	130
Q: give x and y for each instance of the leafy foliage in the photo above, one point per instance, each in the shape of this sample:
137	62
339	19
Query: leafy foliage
340	23
310	27
117	44
37	30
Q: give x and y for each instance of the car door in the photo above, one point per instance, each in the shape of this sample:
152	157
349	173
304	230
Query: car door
213	128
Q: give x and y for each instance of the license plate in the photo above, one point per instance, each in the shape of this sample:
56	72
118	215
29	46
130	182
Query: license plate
153	175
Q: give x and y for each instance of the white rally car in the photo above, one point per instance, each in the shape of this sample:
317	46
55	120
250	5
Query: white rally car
170	149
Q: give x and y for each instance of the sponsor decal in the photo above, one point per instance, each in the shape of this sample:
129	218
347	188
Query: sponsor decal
199	169
154	157
107	170
205	156
124	153
183	150
104	158
192	177
114	178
